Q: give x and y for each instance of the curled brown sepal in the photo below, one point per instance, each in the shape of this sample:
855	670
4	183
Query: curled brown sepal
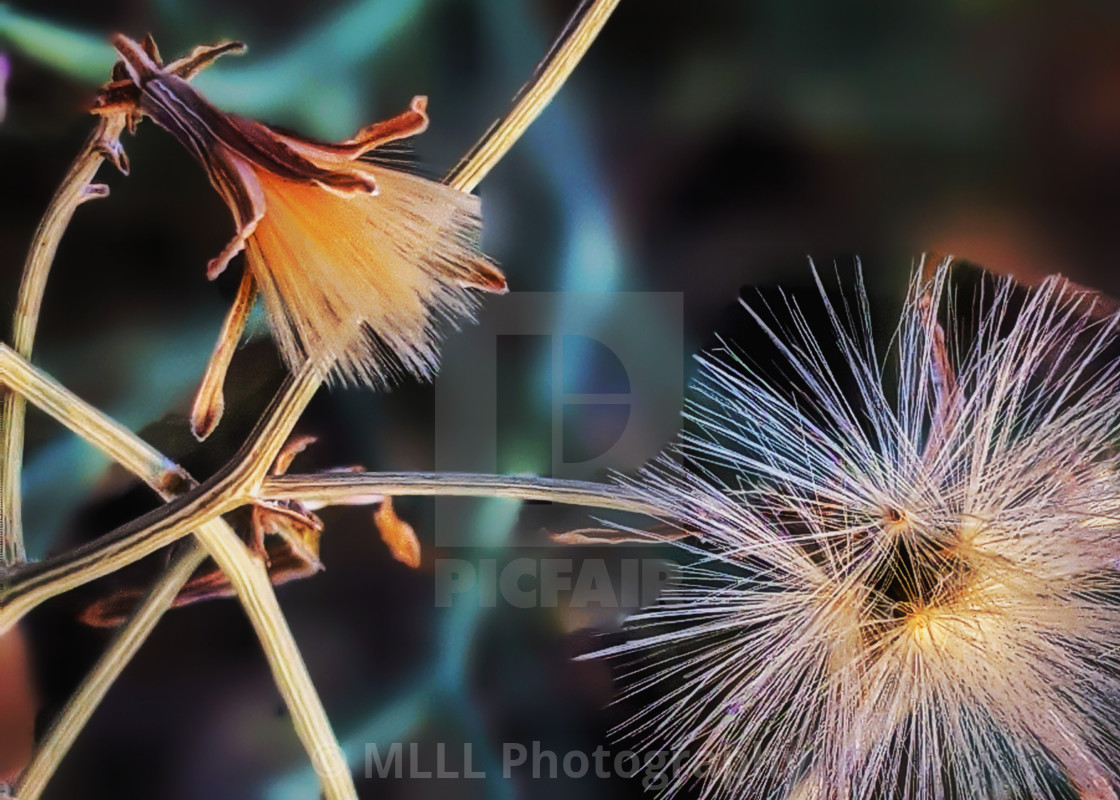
94	191
296	524
209	402
360	266
122	95
108	143
300	529
201	57
397	534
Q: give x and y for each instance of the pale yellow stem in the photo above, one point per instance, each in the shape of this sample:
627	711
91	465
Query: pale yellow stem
26	586
335	487
105	433
254	588
77	712
537	93
74	191
199	511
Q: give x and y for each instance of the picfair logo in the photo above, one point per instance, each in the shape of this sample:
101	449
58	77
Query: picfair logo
565	385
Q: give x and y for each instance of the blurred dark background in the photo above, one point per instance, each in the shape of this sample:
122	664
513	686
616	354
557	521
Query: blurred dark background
700	149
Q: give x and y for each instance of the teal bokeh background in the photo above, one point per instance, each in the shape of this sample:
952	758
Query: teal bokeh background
700	148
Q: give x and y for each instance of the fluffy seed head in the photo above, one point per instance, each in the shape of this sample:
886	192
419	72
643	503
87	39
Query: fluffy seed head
906	572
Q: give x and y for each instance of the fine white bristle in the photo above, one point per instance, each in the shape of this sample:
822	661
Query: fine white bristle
905	577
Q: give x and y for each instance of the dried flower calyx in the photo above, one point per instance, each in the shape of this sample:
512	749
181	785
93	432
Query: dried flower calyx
358	264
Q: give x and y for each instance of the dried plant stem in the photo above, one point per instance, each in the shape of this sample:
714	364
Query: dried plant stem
77	712
26	586
254	589
246	573
537	93
109	436
275	428
333	488
75	190
241	481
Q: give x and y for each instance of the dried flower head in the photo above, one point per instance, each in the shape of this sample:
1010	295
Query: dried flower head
358	264
907	581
